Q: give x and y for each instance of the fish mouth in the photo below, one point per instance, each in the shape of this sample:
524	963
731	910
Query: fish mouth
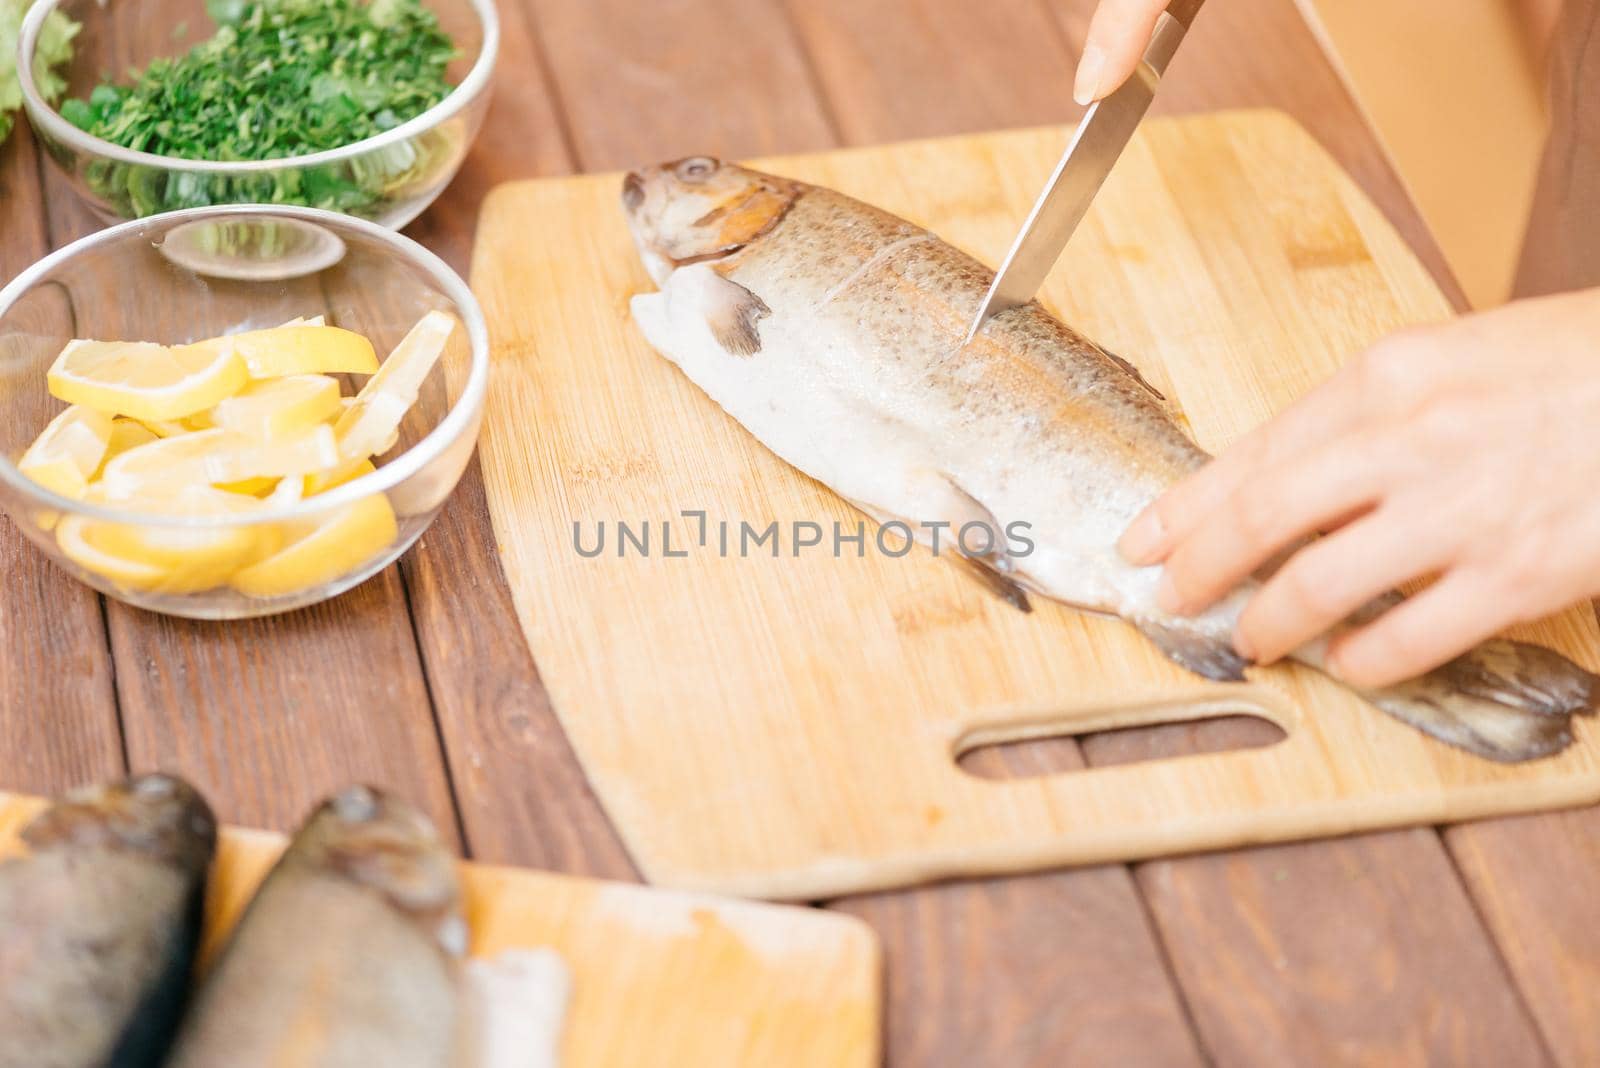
632	191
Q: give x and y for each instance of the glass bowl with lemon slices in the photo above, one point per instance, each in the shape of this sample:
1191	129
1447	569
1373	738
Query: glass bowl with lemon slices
235	411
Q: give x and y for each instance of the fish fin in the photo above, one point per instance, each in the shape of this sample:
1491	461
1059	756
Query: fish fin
1504	700
1133	371
985	570
732	312
1204	654
1525	675
993	567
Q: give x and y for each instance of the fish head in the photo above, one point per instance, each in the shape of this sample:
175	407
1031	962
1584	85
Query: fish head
697	209
155	814
381	842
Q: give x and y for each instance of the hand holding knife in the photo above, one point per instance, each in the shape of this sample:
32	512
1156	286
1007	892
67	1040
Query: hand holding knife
1095	146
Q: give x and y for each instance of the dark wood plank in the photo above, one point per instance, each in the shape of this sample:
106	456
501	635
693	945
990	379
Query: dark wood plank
522	137
1354	951
687	77
1364	949
1533	879
269	716
58	713
1407	1003
1054	969
1560	249
522	796
904	70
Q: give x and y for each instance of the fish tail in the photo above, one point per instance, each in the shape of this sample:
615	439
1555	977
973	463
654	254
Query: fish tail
1202	651
1504	700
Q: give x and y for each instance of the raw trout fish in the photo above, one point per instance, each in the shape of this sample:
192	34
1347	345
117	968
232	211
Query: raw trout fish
833	332
99	920
347	956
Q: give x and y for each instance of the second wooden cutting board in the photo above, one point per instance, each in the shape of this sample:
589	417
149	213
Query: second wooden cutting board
788	727
657	977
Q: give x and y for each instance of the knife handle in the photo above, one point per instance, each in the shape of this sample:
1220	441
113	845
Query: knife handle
1184	11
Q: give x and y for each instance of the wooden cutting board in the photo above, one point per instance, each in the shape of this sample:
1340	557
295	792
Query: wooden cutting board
789	727
658	977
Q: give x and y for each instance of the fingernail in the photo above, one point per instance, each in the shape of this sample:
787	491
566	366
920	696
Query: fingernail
1090	68
1167	596
1141	542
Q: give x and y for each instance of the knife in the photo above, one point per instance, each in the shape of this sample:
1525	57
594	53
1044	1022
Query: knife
1096	143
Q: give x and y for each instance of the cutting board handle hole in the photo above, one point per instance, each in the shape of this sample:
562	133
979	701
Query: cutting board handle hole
1033	751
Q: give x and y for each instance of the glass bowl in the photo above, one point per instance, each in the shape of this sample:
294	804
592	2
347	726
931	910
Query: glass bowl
189	275
389	178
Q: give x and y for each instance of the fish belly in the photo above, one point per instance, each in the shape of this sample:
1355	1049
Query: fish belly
852	412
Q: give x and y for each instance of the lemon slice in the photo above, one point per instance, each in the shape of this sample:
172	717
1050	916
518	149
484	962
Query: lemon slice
259	486
298	350
125	434
279	407
170	559
167	428
374	417
146	381
235	456
288	491
330	549
162	468
71	536
325	480
347	403
69	451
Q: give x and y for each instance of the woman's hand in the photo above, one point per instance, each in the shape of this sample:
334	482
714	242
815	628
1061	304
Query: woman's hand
1469	451
1118	34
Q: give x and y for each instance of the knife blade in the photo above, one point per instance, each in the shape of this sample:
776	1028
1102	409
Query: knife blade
1095	146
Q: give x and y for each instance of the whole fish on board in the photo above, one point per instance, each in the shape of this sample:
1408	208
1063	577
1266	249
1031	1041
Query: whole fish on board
99	920
347	956
834	332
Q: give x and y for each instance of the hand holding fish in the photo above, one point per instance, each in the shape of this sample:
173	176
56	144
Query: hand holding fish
1464	451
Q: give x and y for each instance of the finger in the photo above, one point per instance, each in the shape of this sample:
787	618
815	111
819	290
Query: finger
1416	636
1284	502
1308	423
1328	580
1118	34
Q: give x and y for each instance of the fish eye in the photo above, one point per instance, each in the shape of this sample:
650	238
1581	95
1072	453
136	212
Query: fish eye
356	804
154	785
695	168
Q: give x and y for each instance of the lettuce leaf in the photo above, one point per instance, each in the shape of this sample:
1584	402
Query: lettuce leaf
55	48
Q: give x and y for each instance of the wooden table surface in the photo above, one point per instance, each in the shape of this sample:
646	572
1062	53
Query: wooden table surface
1473	944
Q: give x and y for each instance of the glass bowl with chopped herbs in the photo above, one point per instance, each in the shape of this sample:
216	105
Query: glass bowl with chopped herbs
365	107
